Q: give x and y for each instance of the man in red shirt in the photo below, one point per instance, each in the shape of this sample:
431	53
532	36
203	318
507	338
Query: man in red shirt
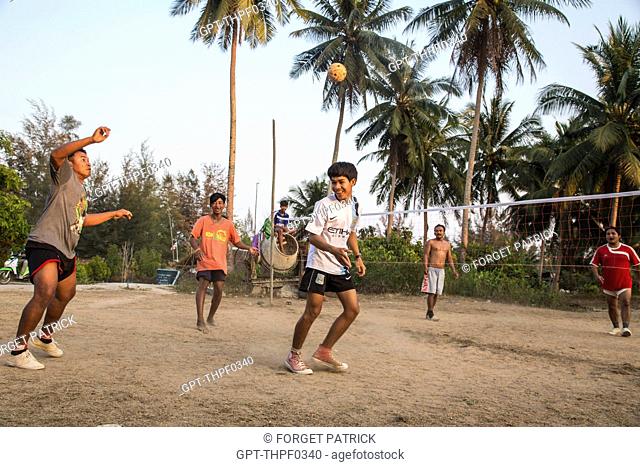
616	260
214	232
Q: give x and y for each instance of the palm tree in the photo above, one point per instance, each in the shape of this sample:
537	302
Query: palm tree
496	40
348	32
435	178
608	156
302	198
407	112
218	23
499	150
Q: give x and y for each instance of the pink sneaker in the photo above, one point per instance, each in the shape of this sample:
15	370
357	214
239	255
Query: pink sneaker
295	364
324	356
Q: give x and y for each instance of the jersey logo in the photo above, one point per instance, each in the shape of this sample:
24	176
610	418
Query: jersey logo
337	231
320	279
221	235
209	234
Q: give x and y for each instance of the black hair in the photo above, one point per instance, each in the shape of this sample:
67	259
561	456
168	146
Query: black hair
343	169
440	225
612	227
215	197
284	202
79	150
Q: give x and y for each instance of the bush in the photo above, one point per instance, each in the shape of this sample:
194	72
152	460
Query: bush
98	270
394	265
147	262
82	274
114	261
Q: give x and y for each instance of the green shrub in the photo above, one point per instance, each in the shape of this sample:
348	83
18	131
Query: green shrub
82	274
147	262
394	265
98	270
114	261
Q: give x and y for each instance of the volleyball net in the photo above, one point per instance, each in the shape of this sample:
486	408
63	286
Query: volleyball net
536	242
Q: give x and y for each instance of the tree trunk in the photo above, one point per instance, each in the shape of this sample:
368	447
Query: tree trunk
616	201
561	240
336	144
232	125
483	232
541	266
472	159
425	220
392	190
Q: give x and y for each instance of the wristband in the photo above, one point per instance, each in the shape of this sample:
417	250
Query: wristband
358	256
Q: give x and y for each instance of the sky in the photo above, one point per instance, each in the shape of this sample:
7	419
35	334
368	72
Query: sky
131	66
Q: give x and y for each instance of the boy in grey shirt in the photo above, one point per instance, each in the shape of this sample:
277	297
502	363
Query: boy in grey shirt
51	249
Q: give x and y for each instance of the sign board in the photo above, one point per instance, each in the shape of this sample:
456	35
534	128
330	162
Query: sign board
167	276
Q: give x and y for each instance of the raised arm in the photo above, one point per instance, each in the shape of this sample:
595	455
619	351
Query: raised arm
60	154
98	218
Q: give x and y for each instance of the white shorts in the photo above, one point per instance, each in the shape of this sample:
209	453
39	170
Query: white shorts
436	280
614	293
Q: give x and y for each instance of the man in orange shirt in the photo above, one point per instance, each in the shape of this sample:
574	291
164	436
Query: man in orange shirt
214	231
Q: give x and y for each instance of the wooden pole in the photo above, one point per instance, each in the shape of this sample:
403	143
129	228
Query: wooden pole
273	202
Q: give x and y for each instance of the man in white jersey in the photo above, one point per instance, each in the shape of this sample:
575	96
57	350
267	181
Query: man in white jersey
332	234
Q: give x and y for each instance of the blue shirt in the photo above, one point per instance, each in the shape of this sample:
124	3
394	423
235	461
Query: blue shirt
281	219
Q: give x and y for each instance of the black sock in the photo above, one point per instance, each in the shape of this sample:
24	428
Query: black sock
46	340
625	325
615	325
430	313
18	352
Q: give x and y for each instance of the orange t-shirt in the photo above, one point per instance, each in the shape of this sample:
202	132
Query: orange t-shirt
213	244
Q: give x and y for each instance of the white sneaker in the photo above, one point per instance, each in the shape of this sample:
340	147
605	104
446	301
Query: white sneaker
25	360
51	349
626	332
614	332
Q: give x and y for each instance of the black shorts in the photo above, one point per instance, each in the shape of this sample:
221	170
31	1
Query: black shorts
320	282
39	254
215	275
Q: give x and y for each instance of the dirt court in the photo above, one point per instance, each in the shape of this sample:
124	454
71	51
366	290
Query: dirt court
483	364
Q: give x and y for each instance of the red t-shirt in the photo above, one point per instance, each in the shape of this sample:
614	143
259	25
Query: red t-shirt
616	265
215	236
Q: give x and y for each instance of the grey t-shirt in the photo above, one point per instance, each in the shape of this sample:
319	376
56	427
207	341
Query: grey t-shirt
61	221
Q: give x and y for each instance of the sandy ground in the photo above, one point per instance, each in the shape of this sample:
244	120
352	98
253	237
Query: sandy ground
482	364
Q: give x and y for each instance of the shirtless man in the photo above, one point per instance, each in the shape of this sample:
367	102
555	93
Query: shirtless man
437	251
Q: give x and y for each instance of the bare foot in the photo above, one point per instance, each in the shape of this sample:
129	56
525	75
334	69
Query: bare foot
202	328
211	321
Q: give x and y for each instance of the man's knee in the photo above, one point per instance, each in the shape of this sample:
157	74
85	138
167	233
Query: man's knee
352	311
218	286
44	292
312	311
65	296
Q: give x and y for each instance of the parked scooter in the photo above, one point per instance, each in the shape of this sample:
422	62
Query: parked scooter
16	268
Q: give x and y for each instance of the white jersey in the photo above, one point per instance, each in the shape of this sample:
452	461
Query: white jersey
333	220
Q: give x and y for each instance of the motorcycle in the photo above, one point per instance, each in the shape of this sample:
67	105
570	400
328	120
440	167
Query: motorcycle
16	267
